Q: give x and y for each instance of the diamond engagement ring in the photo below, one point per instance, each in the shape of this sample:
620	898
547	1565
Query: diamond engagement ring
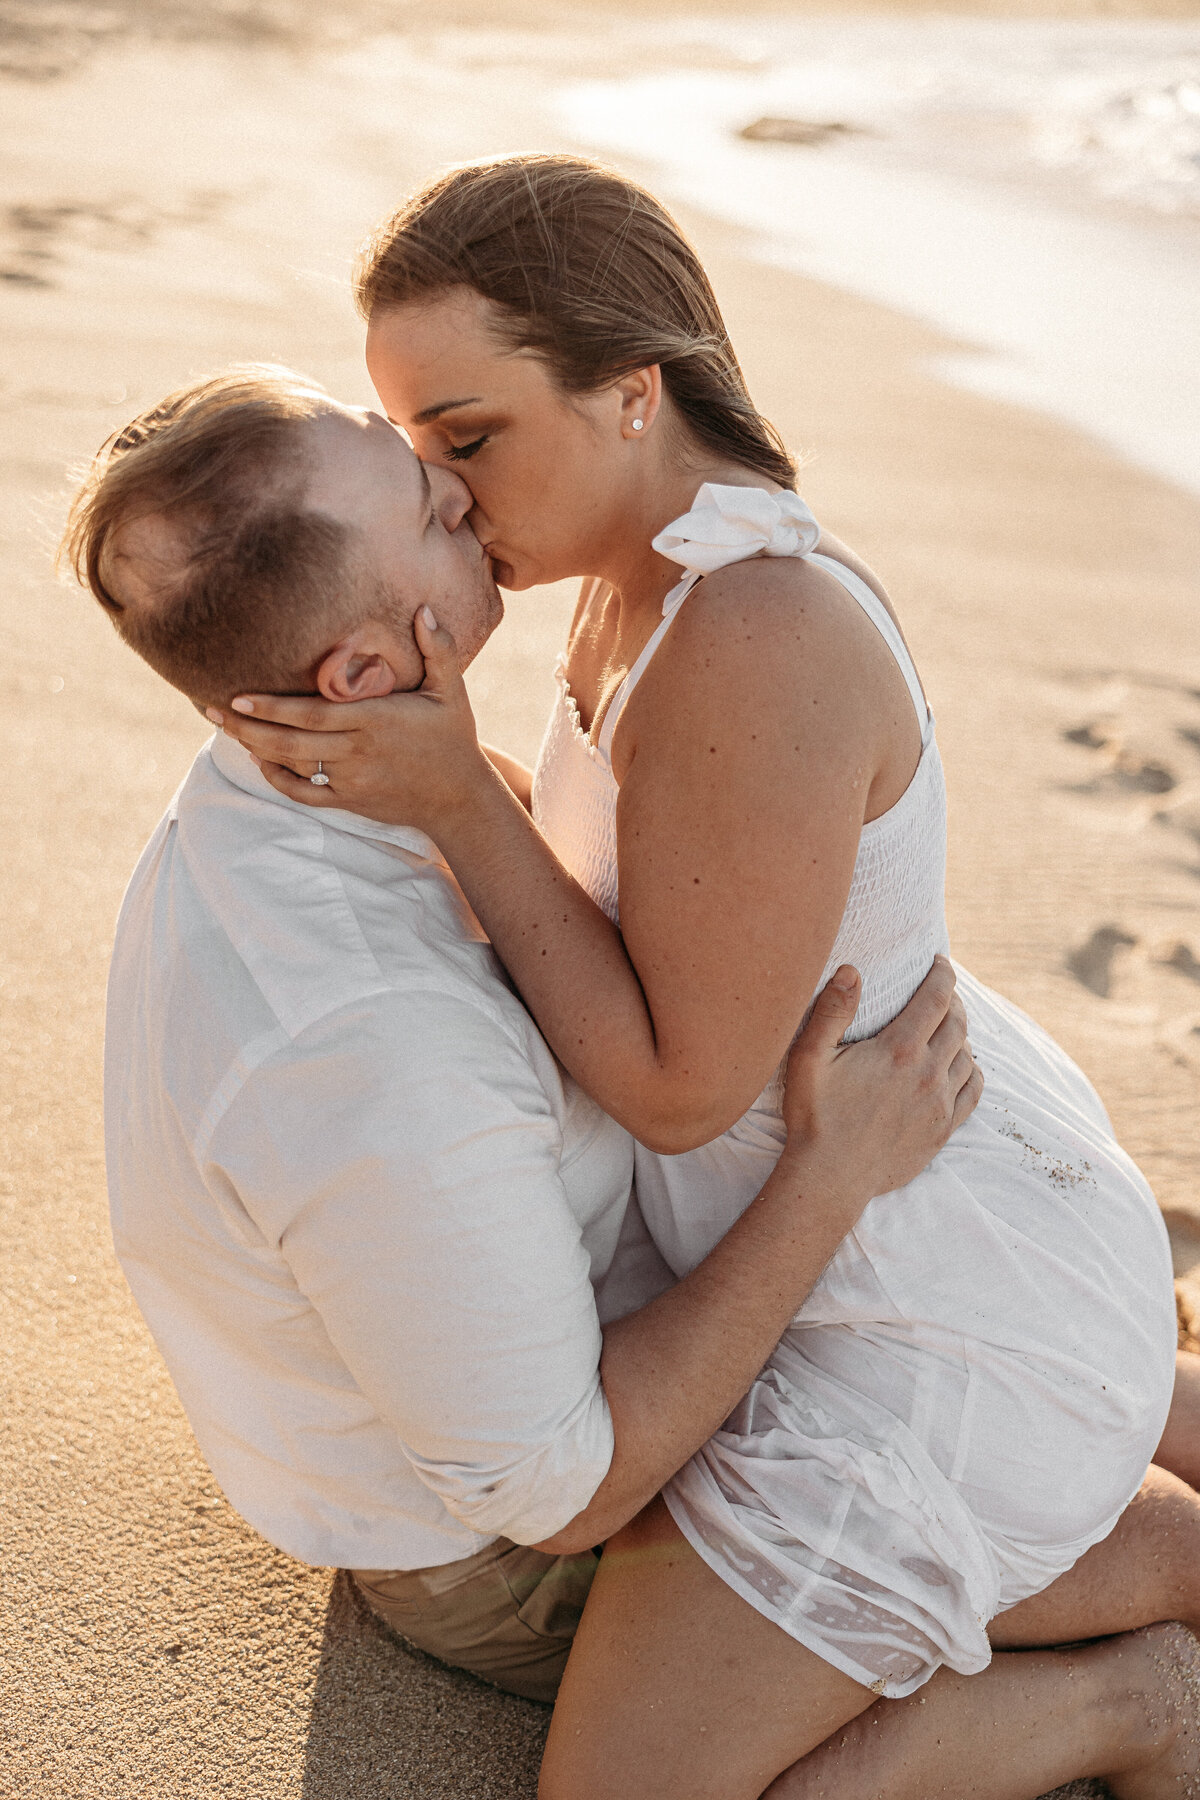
320	779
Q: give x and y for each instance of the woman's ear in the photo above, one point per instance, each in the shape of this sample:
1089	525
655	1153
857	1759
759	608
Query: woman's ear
355	670
640	395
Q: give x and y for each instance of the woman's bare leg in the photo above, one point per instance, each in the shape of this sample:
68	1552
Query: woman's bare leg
1180	1448
1147	1568
676	1689
1126	1710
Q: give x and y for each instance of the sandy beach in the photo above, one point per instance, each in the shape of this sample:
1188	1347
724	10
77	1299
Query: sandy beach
184	187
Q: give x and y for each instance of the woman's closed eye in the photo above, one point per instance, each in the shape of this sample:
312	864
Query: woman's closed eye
464	452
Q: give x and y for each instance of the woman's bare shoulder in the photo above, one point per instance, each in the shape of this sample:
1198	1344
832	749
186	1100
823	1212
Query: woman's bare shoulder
784	613
773	645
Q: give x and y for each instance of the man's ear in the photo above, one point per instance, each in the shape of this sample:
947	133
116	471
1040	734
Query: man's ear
356	669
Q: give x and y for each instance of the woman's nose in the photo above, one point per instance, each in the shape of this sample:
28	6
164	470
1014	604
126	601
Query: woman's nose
452	497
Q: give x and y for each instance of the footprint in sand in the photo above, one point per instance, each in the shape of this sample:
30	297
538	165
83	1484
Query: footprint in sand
1143	732
36	238
1180	957
1091	735
1180	1038
1125	768
1140	734
1141	777
1183	814
1092	962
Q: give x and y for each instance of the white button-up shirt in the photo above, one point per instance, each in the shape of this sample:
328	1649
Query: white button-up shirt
359	1204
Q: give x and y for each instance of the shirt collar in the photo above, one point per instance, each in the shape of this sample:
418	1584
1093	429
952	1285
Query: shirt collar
235	763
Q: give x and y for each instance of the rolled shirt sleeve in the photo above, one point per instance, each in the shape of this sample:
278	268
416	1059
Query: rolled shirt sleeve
402	1155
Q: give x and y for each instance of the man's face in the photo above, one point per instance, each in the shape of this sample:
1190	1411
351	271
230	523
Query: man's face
412	530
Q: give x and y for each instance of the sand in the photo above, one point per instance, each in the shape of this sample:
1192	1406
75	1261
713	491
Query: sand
177	203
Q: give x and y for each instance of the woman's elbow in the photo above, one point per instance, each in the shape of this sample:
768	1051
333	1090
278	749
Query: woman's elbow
683	1125
672	1111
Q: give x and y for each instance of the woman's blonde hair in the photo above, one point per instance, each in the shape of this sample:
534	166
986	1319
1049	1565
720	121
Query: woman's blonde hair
589	271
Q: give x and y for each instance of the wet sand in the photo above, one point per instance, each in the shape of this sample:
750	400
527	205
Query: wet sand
174	205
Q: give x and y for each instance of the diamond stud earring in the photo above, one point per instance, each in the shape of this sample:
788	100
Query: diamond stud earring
638	424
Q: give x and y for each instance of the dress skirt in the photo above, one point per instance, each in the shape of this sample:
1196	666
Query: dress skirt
972	1393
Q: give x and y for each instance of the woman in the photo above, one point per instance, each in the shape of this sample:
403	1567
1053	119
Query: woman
965	1406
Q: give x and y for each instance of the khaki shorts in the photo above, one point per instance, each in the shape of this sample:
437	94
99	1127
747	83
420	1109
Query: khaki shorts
507	1613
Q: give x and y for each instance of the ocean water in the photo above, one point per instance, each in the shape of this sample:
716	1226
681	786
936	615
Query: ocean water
1030	188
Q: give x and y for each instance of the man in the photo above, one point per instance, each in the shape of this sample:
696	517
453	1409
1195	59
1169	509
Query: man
384	1245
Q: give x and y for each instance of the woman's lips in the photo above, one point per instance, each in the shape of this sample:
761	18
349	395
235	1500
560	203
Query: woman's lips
501	570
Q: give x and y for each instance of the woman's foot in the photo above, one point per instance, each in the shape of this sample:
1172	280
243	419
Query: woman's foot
1164	1681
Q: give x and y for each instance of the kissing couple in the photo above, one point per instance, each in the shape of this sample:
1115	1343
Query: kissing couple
587	1204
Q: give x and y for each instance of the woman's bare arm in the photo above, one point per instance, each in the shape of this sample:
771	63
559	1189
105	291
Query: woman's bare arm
748	758
518	778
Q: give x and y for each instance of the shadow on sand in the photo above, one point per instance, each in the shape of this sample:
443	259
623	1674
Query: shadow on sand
392	1724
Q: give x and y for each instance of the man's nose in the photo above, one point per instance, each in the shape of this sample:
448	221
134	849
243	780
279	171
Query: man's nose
452	498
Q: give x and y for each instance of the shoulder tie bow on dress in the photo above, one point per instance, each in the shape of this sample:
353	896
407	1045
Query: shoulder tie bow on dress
729	524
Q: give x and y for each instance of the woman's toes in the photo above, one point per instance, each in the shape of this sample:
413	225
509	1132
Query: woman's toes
1165	1669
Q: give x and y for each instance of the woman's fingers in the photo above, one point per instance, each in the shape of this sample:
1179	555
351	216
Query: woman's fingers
298	787
443	672
294	743
304	712
284	744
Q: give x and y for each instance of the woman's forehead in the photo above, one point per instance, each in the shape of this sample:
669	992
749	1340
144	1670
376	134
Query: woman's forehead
438	354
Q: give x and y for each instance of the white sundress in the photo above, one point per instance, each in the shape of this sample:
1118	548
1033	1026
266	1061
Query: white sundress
972	1393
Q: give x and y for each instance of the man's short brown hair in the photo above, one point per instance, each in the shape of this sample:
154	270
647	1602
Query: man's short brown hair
261	583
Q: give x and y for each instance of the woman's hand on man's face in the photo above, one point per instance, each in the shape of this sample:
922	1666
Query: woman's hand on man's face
406	759
884	1106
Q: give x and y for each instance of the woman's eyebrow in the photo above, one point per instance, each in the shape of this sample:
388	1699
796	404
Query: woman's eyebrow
434	412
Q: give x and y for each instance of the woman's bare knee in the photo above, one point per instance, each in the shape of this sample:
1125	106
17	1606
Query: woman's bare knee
678	1689
1146	1570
